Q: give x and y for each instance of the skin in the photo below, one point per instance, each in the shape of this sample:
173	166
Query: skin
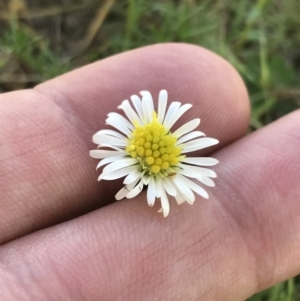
64	238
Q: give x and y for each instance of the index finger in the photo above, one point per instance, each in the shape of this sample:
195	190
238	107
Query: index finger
46	173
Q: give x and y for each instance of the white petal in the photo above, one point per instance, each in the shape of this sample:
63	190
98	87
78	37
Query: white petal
165	203
121	193
117	174
147	94
174	106
207	172
187	127
190	136
146	180
132	185
119	164
130	113
190	173
108	160
109	140
119	125
177	115
147	104
179	197
184	189
100	154
111	133
202	161
199	144
138	105
195	187
151	192
162	104
198	170
121	119
120	150
158	188
207	181
135	191
133	176
168	186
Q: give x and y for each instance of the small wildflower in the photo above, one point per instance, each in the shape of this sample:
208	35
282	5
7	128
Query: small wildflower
146	151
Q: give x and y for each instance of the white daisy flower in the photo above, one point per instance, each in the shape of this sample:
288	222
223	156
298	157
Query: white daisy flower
146	151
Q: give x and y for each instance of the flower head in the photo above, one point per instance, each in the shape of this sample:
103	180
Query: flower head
146	151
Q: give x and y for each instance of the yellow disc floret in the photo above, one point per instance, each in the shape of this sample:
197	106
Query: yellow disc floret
154	147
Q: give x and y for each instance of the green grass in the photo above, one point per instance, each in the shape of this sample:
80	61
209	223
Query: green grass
32	50
287	291
260	38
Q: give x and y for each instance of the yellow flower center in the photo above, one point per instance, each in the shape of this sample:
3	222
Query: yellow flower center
154	147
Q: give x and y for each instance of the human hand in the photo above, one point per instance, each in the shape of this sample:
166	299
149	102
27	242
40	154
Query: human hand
245	238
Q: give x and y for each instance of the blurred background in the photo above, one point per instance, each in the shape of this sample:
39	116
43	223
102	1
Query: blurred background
40	39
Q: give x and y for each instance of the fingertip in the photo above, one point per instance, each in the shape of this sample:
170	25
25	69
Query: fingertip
189	73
